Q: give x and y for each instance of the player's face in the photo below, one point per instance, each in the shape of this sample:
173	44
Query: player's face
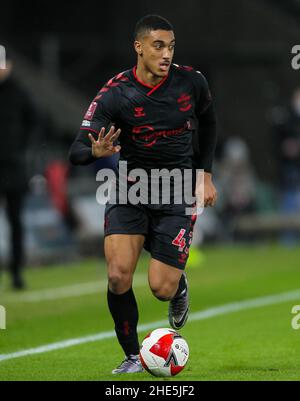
157	50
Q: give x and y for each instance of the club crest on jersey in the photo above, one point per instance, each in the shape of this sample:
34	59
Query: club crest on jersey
139	112
184	102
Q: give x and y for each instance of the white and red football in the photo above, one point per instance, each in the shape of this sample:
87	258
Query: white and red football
164	352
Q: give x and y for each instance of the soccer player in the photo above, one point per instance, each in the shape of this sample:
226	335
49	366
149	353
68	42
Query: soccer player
163	117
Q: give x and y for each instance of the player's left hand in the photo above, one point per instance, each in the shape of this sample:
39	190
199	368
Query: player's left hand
205	191
210	192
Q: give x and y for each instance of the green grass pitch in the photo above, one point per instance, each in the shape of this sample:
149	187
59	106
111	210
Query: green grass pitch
249	344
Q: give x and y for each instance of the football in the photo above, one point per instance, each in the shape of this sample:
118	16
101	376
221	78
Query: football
164	352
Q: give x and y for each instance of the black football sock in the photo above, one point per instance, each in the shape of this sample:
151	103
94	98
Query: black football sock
124	311
181	286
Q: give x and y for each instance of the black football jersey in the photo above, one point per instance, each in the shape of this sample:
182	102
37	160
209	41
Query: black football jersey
171	125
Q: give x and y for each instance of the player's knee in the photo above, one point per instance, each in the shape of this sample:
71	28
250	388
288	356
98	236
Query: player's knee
119	280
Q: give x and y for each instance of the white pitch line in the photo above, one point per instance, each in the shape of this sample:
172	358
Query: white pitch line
201	315
70	291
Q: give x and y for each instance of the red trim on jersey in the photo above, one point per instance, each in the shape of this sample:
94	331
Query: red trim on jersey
153	88
141	82
157	86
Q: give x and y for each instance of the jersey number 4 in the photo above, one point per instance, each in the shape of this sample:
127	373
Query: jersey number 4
180	240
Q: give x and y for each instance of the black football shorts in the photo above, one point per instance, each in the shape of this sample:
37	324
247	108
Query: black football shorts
167	229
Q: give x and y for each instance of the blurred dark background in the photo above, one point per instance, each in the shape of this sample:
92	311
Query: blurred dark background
244	47
64	52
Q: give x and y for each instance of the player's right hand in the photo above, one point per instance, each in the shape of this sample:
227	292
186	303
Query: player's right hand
104	145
